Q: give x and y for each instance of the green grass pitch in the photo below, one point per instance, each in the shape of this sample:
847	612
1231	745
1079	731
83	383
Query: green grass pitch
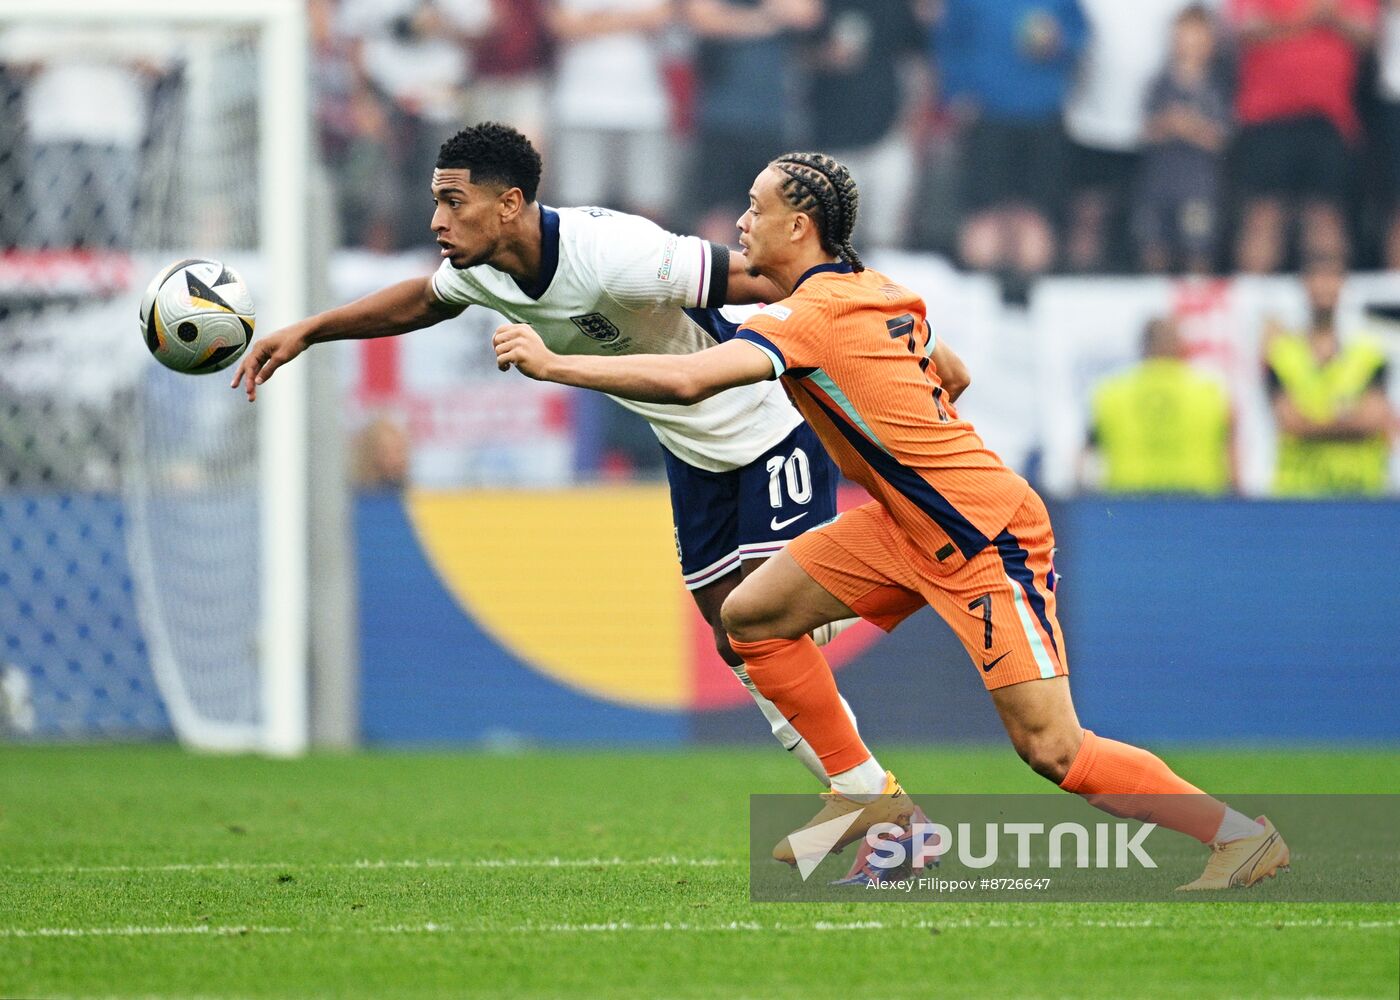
148	872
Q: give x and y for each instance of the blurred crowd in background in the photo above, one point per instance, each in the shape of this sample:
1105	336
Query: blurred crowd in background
1020	138
1168	424
1016	136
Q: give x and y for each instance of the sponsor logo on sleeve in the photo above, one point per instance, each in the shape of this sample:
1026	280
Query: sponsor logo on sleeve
777	310
668	258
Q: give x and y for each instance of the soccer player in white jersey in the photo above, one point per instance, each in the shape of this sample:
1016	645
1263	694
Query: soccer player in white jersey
746	473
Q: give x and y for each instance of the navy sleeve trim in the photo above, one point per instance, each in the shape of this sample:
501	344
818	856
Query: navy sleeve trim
718	291
765	345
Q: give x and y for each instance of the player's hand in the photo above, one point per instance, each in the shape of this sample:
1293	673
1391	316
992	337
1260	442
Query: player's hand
518	344
265	356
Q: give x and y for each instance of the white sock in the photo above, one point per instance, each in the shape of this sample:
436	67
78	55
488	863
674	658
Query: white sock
865	780
823	634
790	739
1235	826
794	744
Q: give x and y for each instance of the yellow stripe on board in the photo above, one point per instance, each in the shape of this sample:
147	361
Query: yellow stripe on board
582	585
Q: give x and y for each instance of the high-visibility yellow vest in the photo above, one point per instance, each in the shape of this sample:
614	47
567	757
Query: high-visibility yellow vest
1163	428
1309	467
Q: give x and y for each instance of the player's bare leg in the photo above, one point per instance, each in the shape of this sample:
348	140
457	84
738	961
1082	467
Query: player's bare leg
710	599
1128	781
821	635
780	600
1040	719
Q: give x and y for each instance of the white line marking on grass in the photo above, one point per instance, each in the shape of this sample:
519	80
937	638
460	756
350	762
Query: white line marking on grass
369	864
608	927
664	927
79	932
1133	924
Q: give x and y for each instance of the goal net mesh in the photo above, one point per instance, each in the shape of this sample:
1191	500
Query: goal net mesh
129	494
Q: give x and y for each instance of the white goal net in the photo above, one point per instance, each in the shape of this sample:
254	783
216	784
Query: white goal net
152	527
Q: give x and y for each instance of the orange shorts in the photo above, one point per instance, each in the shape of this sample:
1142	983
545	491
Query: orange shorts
1001	602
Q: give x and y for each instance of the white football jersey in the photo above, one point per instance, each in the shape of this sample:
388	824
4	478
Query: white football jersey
619	284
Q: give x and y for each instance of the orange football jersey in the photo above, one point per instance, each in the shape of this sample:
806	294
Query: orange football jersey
854	351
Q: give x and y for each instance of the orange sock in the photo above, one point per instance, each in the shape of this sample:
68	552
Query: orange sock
793	674
1131	782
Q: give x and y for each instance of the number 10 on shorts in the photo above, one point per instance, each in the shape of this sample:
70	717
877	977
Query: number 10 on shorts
796	470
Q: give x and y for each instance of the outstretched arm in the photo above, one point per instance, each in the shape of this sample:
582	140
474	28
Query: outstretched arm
648	378
409	305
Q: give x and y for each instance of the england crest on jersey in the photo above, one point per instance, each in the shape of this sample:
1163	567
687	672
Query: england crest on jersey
597	327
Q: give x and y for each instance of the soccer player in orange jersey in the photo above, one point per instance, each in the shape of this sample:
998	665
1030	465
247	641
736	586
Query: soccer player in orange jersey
950	526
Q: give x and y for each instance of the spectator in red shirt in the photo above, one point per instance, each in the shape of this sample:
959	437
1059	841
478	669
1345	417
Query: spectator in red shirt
1298	122
512	62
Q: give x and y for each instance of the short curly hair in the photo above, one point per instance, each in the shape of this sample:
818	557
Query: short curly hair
494	153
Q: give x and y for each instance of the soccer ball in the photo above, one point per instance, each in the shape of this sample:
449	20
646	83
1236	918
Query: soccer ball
197	316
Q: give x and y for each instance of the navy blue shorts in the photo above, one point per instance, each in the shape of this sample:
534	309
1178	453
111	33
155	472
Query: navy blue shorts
751	512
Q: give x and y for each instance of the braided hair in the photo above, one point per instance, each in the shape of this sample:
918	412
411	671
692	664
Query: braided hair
823	188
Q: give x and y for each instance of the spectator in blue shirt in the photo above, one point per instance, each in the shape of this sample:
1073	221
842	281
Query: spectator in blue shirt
746	60
1007	67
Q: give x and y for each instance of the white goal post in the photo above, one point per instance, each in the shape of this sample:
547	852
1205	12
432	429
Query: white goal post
284	155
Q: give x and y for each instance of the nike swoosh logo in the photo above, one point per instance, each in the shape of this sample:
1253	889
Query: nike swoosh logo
986	667
776	525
